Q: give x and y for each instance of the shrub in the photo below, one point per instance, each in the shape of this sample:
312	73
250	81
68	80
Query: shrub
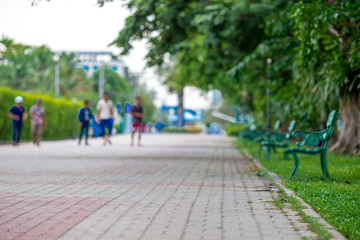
182	130
194	130
61	115
234	130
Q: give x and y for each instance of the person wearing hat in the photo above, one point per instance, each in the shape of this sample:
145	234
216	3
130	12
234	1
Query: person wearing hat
18	114
38	121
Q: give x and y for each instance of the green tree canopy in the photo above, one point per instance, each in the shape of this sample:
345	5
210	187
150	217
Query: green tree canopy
224	44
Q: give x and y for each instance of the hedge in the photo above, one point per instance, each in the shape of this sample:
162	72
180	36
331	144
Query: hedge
61	115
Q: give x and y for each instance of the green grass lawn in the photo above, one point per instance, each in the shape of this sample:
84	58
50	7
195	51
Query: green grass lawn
337	199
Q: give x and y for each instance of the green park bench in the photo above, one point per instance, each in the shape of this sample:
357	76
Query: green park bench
258	135
251	134
261	137
266	134
316	142
278	140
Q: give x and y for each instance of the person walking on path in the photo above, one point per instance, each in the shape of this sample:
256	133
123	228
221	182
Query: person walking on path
38	121
18	114
137	113
104	117
85	117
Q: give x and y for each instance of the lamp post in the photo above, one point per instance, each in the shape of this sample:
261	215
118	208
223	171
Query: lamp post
101	81
57	76
136	85
268	92
135	82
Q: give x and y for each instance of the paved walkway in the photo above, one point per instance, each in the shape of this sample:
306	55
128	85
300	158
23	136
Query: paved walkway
175	187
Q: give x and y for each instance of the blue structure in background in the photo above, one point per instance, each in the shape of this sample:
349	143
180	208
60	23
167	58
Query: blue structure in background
95	127
189	115
214	128
128	117
118	108
159	126
127	107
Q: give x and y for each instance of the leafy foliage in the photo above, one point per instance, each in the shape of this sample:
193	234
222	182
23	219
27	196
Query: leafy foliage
213	37
25	67
328	55
225	44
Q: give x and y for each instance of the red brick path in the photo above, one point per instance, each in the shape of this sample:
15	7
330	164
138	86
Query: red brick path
42	217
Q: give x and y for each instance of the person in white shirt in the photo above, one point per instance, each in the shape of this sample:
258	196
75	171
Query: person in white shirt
104	117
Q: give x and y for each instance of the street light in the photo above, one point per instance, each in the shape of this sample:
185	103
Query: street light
135	82
268	92
57	76
102	81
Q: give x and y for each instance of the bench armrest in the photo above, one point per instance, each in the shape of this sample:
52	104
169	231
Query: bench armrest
311	139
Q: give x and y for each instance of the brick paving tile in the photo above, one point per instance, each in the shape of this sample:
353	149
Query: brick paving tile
175	187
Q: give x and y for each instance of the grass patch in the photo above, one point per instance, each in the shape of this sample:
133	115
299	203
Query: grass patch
337	199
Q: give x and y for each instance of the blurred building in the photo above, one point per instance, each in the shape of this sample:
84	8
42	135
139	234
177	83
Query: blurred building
91	61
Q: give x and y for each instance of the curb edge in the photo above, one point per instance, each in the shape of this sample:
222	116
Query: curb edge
308	210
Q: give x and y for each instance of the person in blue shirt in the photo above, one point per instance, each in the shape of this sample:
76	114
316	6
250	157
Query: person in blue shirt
85	117
18	114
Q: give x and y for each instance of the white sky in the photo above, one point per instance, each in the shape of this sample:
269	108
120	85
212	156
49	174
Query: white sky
82	25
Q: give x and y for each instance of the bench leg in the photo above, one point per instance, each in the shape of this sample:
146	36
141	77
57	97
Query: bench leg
268	153
274	148
259	150
324	165
296	166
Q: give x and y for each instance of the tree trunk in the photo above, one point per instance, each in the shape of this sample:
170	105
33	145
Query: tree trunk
181	107
349	139
334	137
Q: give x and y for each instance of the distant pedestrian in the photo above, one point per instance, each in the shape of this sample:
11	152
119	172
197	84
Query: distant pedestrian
105	116
85	117
38	121
137	113
18	114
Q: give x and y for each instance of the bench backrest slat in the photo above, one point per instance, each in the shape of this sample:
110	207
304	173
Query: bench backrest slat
277	125
290	130
330	126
